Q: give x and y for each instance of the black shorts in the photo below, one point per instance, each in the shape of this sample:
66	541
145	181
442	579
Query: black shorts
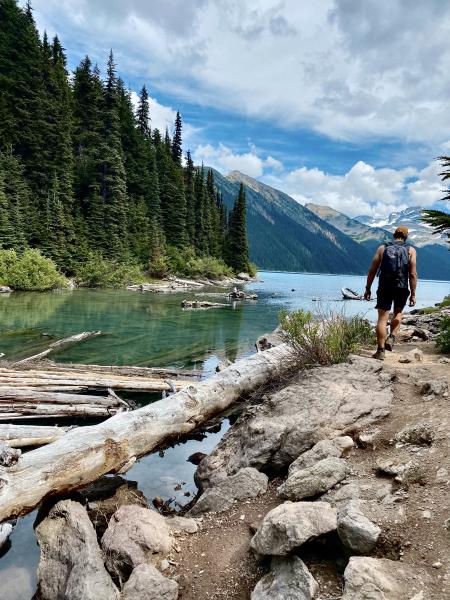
388	296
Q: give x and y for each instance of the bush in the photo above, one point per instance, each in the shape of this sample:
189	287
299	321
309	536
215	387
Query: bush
207	266
252	269
443	338
325	342
185	262
98	271
29	272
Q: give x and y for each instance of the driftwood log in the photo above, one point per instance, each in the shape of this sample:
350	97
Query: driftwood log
202	304
79	337
59	379
86	453
21	436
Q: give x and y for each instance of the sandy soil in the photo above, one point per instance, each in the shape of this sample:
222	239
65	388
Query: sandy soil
216	562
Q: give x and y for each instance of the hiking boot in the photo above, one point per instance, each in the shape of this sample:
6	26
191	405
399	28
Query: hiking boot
390	341
379	354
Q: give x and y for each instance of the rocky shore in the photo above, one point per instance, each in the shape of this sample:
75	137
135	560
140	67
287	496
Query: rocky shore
176	284
333	486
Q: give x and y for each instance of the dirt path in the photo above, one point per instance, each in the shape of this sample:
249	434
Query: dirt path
216	562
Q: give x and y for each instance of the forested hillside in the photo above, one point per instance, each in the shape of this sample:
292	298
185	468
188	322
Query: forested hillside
87	180
285	236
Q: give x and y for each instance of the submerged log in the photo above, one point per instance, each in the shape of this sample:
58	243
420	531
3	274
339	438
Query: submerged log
202	304
21	436
79	337
86	453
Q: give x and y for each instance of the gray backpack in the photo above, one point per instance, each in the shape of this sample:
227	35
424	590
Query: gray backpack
394	267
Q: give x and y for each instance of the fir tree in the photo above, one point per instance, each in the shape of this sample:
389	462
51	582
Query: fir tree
177	151
439	219
7	236
54	241
190	198
143	114
237	245
18	195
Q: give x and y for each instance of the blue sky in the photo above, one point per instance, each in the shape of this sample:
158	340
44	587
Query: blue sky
338	102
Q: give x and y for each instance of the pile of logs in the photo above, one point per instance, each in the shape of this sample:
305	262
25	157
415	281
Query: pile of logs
202	304
56	390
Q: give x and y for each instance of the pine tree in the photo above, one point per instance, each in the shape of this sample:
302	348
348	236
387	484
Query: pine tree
438	219
143	114
7	236
158	263
177	150
237	245
189	176
18	196
54	240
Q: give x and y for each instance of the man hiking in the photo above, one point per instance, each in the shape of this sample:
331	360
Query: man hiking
396	265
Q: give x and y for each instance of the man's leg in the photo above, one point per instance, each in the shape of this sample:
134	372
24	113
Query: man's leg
381	331
396	321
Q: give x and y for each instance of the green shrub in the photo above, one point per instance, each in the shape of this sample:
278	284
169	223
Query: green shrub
207	266
443	338
98	271
252	269
326	341
29	272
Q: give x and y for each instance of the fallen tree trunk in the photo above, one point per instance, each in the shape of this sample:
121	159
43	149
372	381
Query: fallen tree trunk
20	395
79	337
202	304
122	370
23	409
21	436
86	453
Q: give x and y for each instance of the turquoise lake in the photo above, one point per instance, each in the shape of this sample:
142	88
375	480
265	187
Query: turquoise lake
152	330
147	329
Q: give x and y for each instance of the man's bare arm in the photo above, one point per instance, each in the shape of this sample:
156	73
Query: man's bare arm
373	271
412	276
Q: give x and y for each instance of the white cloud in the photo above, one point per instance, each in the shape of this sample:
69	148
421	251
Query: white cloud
222	158
345	68
363	189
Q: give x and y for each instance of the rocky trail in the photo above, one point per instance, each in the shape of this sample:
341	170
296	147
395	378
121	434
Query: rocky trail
333	486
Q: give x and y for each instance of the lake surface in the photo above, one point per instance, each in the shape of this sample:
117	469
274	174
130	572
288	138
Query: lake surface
152	330
147	329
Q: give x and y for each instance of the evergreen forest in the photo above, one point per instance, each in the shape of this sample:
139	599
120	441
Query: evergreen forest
87	182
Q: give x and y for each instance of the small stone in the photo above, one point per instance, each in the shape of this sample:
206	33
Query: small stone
164	565
435	387
419	434
288	579
355	530
426	514
147	583
437	565
336	447
444	360
415	355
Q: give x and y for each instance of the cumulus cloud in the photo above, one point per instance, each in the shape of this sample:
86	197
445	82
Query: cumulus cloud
345	68
363	189
223	159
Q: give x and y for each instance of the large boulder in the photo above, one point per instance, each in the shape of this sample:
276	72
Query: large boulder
182	525
379	579
133	535
71	564
357	533
336	447
288	579
147	583
315	480
291	524
323	403
246	483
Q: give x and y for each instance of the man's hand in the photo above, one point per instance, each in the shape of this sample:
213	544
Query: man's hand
412	300
367	294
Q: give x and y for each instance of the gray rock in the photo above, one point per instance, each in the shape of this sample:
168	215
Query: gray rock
357	533
147	583
323	449
291	524
288	579
71	564
182	525
269	340
415	355
315	480
419	434
435	387
133	535
246	483
4	289
379	579
444	360
323	403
